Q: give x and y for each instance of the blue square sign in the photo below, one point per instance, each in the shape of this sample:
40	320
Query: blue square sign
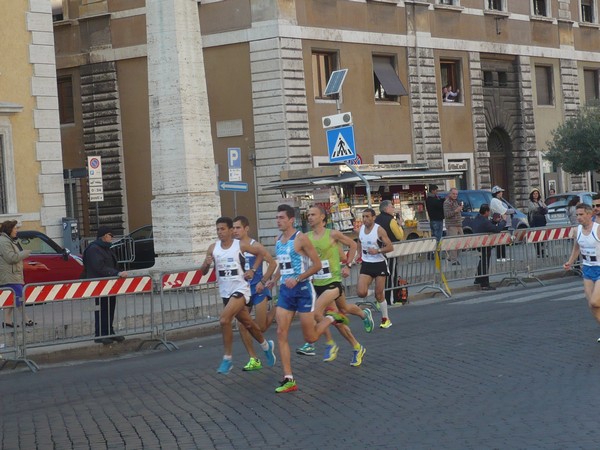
340	144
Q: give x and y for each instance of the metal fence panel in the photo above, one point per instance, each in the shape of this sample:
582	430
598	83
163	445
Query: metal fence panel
66	312
468	257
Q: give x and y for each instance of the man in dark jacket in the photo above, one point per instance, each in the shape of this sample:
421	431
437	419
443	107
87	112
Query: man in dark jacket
435	211
387	220
100	262
483	224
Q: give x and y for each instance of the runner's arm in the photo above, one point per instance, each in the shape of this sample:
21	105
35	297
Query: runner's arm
573	257
306	248
387	244
266	256
208	260
341	238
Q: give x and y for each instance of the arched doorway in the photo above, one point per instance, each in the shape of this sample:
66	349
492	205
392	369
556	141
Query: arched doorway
500	147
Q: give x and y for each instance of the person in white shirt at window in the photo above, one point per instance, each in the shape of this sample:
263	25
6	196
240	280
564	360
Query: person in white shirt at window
448	95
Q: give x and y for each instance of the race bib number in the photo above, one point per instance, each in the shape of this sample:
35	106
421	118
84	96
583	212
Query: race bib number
285	264
325	272
228	270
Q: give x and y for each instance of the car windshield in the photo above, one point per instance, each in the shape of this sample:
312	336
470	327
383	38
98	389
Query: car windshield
142	233
562	201
37	245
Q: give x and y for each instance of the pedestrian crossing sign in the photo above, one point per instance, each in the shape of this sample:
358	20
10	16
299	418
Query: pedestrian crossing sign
340	144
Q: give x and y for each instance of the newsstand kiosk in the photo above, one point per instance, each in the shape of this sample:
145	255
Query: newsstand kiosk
343	194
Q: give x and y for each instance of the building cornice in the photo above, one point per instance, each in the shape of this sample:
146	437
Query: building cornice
10	108
279	29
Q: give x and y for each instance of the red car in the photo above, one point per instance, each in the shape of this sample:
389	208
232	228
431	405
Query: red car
61	263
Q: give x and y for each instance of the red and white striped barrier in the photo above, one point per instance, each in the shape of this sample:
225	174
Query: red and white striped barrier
7	298
474	241
187	279
550	234
86	289
413	247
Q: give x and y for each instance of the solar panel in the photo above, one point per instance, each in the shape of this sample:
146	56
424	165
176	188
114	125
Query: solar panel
334	85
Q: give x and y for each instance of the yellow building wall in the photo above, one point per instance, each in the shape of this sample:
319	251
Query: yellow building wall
15	87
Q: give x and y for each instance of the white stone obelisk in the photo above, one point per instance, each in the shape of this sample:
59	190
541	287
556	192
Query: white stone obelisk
186	201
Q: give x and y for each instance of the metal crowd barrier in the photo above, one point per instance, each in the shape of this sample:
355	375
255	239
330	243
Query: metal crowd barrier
65	312
467	247
187	299
539	250
415	265
12	339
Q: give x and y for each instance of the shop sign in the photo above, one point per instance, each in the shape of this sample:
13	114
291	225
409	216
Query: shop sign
458	165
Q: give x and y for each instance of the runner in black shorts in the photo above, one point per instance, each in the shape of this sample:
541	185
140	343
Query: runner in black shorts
373	242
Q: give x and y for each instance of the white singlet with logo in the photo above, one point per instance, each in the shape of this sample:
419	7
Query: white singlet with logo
368	241
589	246
230	270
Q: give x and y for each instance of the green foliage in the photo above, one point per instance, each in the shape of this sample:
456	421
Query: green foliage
576	143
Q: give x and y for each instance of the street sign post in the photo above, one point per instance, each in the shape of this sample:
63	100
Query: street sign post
236	186
95	185
96	189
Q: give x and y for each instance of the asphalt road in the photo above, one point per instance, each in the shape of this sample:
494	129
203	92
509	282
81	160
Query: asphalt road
517	368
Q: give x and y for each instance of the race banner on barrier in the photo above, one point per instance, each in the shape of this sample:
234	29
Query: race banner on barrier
466	242
38	293
186	279
550	234
7	298
412	247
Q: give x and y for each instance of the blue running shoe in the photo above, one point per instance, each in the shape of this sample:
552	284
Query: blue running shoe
368	323
307	349
331	352
225	367
270	354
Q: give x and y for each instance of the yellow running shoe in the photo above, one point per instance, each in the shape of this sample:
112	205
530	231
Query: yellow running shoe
331	352
385	323
357	356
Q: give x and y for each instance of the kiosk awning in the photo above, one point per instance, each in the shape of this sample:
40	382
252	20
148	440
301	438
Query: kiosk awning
379	177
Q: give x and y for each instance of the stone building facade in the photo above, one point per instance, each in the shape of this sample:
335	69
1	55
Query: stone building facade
520	68
31	168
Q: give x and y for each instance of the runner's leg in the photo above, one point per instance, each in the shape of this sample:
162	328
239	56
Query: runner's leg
284	319
233	307
362	287
247	340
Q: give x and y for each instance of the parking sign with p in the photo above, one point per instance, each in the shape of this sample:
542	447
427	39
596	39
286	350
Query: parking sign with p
234	163
233	158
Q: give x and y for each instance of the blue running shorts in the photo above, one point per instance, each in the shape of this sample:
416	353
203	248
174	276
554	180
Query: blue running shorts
301	298
255	298
591	273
